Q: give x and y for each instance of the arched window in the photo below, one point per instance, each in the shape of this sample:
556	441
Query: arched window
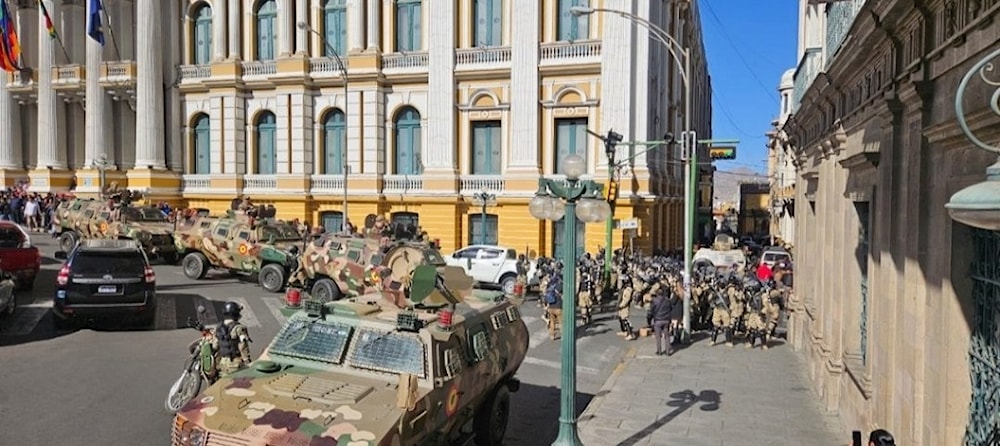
201	145
267	163
334	139
407	143
335	27
202	34
408	29
267	33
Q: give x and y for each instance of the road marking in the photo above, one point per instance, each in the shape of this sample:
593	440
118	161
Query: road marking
247	317
538	337
275	304
557	365
43	304
24	321
166	312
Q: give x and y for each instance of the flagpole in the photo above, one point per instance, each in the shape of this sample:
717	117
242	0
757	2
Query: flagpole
111	30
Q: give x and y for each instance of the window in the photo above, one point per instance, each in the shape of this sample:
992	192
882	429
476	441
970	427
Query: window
571	27
407	143
267	33
334	137
490	254
467	253
486	148
335	27
202	143
571	137
266	142
476	233
559	238
487	15
405	218
408	20
332	221
202	35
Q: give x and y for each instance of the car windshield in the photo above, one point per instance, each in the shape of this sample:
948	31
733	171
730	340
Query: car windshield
143	214
11	237
280	232
115	263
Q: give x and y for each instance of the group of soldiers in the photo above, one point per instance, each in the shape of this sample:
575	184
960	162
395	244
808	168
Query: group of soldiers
727	302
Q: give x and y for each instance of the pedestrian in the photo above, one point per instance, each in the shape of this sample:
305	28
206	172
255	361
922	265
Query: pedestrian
881	437
31	213
764	272
659	318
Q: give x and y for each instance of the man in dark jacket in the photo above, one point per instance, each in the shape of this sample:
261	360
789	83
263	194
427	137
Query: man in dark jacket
659	318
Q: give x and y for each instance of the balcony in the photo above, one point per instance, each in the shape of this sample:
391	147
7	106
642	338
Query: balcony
118	78
327	184
482	58
23	86
69	81
259	69
570	53
260	184
196	183
473	184
190	73
405	63
402	184
324	67
809	67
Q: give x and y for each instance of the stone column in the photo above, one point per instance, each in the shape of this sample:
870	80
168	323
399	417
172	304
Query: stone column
97	117
10	131
616	80
51	146
356	24
374	25
524	108
235	38
438	146
219	17
149	138
286	27
301	35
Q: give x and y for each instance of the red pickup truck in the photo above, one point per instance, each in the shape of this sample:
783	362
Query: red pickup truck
17	255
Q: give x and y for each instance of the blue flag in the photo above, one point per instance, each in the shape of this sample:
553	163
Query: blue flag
94	28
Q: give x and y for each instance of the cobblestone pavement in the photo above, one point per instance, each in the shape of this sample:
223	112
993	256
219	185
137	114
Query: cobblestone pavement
704	395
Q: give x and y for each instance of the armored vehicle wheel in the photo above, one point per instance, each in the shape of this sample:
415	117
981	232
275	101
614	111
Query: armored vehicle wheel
67	241
272	277
326	290
195	265
490	424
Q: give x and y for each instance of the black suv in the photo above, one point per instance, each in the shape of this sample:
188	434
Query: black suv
104	278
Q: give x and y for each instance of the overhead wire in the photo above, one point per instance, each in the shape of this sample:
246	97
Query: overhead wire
769	92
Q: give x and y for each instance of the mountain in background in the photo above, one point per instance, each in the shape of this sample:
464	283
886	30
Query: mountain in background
727	184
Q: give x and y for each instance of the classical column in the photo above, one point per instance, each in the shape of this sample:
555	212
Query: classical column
286	27
616	80
51	146
235	38
97	116
356	24
524	112
219	17
10	131
149	138
440	141
374	27
301	35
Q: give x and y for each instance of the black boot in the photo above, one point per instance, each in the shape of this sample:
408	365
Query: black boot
715	335
729	336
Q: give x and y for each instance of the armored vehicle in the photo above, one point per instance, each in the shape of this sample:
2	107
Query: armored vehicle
436	369
723	254
242	243
90	219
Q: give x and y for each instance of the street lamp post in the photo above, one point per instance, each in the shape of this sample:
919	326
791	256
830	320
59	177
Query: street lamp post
568	201
689	139
343	153
483	199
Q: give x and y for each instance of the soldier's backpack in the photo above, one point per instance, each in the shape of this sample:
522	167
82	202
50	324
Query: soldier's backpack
227	345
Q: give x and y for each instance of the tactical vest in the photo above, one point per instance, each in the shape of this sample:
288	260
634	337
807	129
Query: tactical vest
228	344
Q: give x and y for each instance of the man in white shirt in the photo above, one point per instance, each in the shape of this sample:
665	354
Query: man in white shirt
31	213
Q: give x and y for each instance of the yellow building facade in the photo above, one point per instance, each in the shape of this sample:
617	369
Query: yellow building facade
443	101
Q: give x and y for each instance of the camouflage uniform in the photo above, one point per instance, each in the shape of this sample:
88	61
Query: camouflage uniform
239	334
585	295
522	275
624	303
737	308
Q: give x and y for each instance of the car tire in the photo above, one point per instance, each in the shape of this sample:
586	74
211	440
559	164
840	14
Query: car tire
326	290
195	266
272	277
508	283
492	418
67	241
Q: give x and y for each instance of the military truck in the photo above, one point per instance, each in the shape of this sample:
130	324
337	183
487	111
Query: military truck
91	219
723	254
366	371
241	243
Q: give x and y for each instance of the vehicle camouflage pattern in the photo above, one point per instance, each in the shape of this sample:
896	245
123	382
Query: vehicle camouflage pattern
239	243
91	219
370	370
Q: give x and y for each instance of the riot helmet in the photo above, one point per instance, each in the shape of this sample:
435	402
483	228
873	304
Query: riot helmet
232	310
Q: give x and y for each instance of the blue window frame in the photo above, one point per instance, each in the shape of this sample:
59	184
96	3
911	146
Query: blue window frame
334	137
267	33
267	161
203	35
407	142
202	145
571	137
332	221
488	16
335	27
408	25
559	238
486	148
569	26
492	225
405	218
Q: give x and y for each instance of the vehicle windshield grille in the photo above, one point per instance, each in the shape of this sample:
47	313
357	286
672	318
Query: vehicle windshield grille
114	263
389	352
312	339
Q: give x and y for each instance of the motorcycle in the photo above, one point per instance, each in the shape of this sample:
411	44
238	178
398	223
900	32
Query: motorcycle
200	367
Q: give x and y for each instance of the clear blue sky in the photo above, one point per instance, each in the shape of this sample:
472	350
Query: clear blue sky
750	43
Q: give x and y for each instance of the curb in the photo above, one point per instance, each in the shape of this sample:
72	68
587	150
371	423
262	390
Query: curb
595	403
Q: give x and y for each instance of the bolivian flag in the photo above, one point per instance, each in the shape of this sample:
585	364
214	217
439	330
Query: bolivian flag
48	20
10	47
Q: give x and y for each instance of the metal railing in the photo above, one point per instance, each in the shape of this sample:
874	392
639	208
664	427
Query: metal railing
404	61
482	56
260	68
570	51
402	183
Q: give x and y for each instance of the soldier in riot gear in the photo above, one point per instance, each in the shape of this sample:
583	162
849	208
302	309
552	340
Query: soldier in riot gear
585	293
720	301
522	274
232	341
624	304
755	324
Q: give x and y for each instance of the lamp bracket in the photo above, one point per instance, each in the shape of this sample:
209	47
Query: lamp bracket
986	69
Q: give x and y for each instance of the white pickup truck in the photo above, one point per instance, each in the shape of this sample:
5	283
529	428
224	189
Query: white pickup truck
491	265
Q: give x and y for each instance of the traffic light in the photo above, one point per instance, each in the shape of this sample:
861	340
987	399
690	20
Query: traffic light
722	153
613	138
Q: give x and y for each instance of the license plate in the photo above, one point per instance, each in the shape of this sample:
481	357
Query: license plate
107	289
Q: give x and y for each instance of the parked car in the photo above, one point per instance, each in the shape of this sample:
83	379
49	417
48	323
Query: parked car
772	255
490	265
104	277
18	257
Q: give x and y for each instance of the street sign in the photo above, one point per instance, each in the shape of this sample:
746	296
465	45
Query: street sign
632	223
722	152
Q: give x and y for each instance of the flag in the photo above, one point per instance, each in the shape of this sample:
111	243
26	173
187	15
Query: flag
94	28
48	20
10	47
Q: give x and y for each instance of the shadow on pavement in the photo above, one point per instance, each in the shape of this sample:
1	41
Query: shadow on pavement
709	401
535	410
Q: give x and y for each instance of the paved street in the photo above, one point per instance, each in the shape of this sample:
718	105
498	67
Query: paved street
95	387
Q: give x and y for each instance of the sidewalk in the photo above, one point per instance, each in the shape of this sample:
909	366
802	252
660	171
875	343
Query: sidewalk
705	395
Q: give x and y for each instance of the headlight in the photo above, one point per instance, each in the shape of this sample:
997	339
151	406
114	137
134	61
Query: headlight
197	437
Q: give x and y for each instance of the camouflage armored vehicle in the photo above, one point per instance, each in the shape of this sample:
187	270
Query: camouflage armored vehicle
90	219
240	243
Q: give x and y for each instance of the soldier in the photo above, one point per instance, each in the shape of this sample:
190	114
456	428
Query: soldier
232	341
522	275
624	303
553	302
755	308
585	294
737	306
721	321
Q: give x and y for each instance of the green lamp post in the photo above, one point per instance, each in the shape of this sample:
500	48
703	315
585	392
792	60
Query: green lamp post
568	200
